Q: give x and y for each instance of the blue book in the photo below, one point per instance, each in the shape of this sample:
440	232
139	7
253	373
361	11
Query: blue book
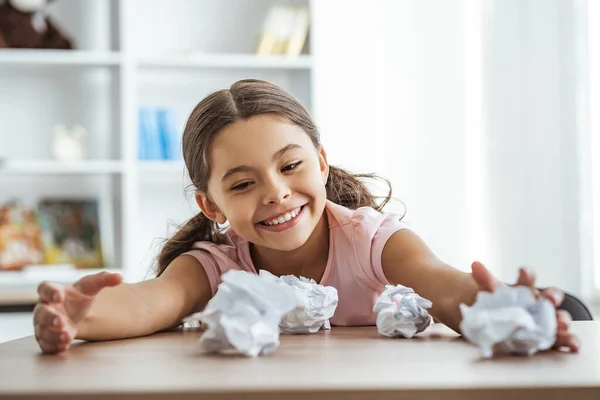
142	139
169	137
150	147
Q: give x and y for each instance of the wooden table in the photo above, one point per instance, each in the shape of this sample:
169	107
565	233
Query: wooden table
349	363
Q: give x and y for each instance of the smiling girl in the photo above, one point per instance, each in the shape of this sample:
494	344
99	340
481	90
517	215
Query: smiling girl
255	158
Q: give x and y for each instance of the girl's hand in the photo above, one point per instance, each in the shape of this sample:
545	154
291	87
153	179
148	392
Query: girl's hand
62	308
488	283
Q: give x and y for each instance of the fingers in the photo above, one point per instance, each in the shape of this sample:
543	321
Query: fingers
50	329
563	319
45	315
56	338
92	284
54	347
50	292
526	277
555	295
483	277
564	338
568	340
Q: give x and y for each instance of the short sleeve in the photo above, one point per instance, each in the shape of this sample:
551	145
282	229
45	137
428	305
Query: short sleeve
209	265
216	260
390	225
371	231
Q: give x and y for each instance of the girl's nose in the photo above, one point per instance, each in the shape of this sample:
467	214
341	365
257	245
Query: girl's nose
276	192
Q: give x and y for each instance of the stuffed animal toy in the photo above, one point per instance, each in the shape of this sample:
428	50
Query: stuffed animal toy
68	144
26	24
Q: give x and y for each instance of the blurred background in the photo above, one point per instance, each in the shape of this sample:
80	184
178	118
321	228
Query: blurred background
483	114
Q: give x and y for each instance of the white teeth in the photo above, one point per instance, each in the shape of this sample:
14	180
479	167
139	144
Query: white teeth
284	218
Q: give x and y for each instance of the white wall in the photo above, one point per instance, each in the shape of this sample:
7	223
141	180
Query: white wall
15	325
532	70
389	98
396	91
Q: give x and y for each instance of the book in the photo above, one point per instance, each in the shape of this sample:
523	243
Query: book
267	39
149	140
20	237
299	31
284	31
158	136
168	135
71	232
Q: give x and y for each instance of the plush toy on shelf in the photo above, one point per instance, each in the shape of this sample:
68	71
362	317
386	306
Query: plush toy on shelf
68	144
26	24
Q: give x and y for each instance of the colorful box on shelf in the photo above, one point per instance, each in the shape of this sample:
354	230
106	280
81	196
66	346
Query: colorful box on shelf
159	138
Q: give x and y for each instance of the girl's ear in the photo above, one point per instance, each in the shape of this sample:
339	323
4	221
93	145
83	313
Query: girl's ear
210	209
323	164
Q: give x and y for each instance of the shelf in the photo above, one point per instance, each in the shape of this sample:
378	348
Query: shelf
58	57
60	167
91	58
240	61
153	167
20	287
121	63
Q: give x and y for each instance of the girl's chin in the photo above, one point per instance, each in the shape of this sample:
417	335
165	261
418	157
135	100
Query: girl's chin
289	246
283	241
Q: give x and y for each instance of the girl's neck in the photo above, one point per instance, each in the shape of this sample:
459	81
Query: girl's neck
308	261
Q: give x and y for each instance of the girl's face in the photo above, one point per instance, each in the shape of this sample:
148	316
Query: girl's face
268	180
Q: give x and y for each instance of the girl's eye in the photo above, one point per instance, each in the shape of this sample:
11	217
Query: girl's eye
290	167
242	186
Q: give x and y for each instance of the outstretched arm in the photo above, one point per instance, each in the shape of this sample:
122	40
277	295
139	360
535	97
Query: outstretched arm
100	307
139	309
408	261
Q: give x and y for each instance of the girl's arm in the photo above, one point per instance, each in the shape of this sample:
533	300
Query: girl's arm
130	310
100	307
408	261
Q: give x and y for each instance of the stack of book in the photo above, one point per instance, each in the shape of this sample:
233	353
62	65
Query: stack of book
285	31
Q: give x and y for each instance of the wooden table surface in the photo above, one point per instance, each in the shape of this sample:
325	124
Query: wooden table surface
349	363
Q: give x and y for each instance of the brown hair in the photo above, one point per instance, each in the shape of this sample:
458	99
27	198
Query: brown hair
245	99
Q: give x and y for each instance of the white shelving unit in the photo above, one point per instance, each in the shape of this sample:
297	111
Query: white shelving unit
228	61
129	53
43	167
24	57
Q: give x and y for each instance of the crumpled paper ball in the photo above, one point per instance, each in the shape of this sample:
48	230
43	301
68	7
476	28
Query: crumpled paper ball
401	312
317	304
510	320
244	314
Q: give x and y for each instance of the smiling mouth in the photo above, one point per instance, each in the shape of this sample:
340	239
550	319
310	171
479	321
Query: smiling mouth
288	216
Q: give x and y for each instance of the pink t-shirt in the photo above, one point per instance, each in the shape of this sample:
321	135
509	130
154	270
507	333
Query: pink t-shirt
356	241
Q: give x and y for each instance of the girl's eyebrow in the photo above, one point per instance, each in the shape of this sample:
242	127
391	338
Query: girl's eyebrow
280	153
244	168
